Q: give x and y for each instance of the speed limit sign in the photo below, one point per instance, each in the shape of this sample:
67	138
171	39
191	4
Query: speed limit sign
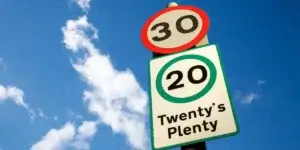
175	29
190	101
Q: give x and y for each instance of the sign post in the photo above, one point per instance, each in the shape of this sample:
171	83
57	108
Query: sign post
189	99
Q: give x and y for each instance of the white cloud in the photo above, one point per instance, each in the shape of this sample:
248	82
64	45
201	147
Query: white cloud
114	96
56	139
261	82
246	98
83	4
13	93
17	96
75	36
85	133
249	97
55	118
74	115
68	136
41	114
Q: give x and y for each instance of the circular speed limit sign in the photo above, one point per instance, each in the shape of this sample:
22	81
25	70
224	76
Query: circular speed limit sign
175	29
186	78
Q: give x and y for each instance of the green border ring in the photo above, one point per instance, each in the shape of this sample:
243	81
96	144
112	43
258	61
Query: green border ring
211	82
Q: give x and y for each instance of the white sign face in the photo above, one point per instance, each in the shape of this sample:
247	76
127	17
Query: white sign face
175	29
190	101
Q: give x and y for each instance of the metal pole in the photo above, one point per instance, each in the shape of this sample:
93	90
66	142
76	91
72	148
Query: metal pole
204	41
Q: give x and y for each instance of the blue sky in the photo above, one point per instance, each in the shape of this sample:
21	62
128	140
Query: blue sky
73	73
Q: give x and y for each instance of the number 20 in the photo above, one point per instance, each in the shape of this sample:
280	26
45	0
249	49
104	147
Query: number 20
176	85
167	32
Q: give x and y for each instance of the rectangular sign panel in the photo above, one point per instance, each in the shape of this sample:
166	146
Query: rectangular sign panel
190	101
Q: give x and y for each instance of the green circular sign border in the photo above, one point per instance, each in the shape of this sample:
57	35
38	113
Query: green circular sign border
170	98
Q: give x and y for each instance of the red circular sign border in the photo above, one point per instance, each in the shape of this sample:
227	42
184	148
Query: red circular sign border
200	36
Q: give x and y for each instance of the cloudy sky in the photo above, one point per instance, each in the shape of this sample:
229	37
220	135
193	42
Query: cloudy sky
73	73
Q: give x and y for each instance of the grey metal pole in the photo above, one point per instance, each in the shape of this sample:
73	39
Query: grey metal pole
204	41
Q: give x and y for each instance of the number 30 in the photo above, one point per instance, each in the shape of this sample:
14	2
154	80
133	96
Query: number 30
176	85
167	32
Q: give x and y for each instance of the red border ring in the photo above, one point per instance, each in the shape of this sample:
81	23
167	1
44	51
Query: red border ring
198	38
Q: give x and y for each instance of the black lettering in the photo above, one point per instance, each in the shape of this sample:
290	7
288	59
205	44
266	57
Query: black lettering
214	125
175	84
182	116
196	127
192	113
172	119
204	123
191	77
165	30
171	131
193	28
208	111
221	107
187	130
161	119
200	111
179	131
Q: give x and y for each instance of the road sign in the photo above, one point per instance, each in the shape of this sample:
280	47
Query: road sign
175	29
190	101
